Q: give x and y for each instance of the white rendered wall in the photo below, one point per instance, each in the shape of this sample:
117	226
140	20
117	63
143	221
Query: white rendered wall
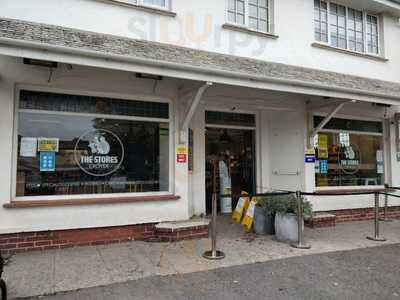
88	81
198	24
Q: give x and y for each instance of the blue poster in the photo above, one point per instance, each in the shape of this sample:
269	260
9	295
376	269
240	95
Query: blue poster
323	166
47	161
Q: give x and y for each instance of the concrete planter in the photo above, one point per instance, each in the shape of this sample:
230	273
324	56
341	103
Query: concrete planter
286	227
263	224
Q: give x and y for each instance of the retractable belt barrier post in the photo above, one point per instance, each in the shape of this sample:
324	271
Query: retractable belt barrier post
385	214
300	223
376	236
214	254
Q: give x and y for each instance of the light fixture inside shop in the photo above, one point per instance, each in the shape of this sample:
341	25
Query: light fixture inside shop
40	63
149	76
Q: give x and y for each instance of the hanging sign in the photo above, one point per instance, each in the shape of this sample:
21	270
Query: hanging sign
181	154
47	161
48	144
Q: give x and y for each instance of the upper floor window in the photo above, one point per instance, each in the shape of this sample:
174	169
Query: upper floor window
346	28
158	3
253	14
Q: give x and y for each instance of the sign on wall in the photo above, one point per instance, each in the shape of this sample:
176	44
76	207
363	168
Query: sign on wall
181	154
191	154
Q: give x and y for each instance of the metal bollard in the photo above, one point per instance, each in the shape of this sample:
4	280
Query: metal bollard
214	254
376	237
385	212
300	224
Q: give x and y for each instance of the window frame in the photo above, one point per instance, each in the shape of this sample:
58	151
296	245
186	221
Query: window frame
141	3
365	13
246	17
167	5
170	121
384	148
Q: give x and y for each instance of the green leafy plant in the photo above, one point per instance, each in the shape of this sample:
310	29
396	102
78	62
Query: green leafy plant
285	204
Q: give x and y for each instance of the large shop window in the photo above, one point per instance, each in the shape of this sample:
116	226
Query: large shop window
349	153
70	145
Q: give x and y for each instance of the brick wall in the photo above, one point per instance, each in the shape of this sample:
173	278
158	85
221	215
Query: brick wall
59	239
29	241
360	214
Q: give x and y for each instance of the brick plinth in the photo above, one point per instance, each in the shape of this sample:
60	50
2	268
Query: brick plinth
58	239
320	220
361	214
176	234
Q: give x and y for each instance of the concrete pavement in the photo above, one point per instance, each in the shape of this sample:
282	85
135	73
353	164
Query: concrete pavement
40	273
371	273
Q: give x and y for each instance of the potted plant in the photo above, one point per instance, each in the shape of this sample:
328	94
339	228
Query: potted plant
286	217
264	215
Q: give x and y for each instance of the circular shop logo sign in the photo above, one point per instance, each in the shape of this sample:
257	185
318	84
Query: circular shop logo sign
99	152
349	158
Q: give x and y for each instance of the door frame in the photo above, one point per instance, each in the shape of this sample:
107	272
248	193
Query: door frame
256	129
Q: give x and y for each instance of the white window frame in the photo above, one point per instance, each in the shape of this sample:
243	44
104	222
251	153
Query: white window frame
380	134
170	121
365	13
246	16
167	5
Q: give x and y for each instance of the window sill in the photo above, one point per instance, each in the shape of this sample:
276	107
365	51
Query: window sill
88	201
249	31
365	55
149	9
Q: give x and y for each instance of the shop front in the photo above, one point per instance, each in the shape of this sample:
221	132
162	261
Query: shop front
97	150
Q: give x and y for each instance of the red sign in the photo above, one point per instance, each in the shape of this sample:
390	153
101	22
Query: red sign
181	158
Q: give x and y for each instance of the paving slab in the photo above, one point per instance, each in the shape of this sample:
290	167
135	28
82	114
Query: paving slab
40	273
368	273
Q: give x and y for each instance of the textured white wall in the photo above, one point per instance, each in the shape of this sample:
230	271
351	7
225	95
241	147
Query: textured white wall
198	24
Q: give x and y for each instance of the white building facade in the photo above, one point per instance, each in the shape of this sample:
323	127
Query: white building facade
112	111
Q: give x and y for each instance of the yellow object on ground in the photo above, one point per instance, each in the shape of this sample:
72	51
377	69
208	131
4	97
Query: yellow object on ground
241	208
249	216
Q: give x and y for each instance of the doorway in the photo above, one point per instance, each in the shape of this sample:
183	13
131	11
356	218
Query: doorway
232	152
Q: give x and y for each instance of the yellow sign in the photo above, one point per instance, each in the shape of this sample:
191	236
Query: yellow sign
323	146
48	144
181	149
310	151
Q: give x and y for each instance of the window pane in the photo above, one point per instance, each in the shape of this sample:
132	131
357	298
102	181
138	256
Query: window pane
226	118
372	34
345	159
155	2
90	104
320	21
74	154
258	15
